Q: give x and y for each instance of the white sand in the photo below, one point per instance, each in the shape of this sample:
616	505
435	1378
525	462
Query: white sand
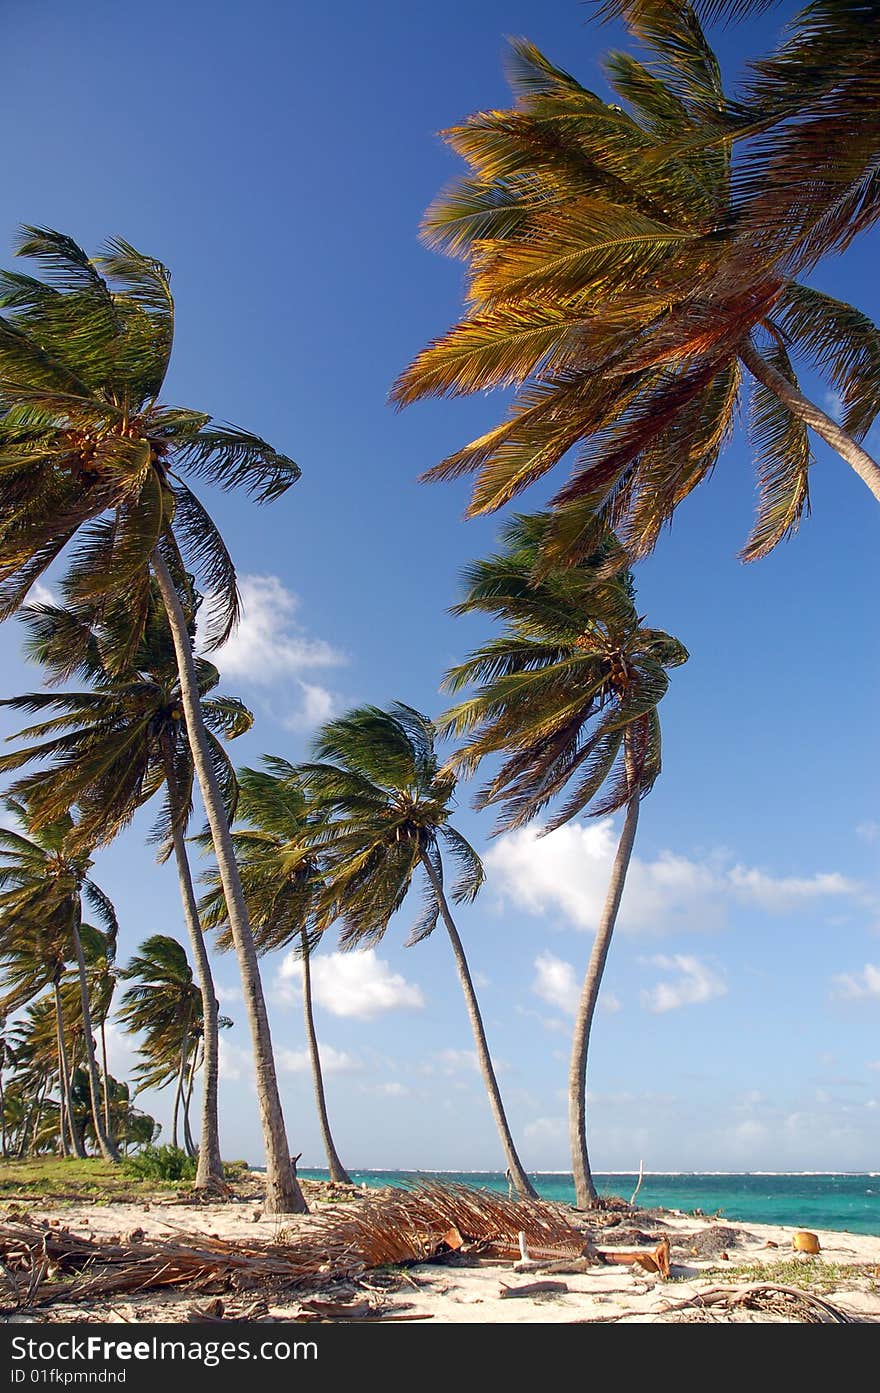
461	1294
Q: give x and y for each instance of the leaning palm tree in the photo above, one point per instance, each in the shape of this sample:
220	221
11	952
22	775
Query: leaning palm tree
611	284
281	876
90	454
378	781
163	1005
111	749
45	878
568	694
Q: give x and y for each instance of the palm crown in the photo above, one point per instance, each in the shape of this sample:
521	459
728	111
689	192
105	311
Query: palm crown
109	749
610	283
569	691
87	448
379	780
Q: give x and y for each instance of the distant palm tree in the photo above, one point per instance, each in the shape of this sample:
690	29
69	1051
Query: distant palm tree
378	779
89	453
45	878
164	1006
568	694
281	875
111	749
611	284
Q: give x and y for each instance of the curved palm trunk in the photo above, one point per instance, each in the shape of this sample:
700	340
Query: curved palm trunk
210	1163
187	1130
178	1093
105	1146
852	453
334	1165
64	1082
584	1189
283	1193
107	1127
521	1182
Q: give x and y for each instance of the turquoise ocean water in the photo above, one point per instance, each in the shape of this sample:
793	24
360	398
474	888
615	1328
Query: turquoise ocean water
843	1202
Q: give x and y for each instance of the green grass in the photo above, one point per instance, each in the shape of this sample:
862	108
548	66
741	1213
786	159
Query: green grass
58	1179
815	1275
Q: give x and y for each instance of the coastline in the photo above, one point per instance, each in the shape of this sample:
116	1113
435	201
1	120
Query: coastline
707	1255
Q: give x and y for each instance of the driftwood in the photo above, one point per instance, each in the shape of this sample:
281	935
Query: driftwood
772	1297
42	1264
652	1259
534	1289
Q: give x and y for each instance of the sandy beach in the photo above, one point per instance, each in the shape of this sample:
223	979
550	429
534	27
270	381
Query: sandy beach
719	1270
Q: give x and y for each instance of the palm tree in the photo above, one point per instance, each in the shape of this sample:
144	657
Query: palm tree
568	694
610	283
164	1005
100	955
90	453
806	180
378	781
45	878
281	873
112	749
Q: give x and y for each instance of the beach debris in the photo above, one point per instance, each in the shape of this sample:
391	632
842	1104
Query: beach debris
398	1227
632	1198
771	1244
805	1242
792	1303
534	1289
708	1243
653	1260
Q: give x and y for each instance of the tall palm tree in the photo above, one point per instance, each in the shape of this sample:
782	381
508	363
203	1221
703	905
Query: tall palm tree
100	955
163	1005
45	877
611	285
806	181
281	874
90	453
111	749
378	779
568	694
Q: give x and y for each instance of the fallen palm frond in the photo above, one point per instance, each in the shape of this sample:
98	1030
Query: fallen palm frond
792	1303
42	1264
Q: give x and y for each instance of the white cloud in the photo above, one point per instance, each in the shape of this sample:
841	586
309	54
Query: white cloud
233	1062
333	1061
694	984
268	643
555	983
351	984
40	594
779	894
452	1061
863	984
546	1129
567	872
317	706
868	831
391	1090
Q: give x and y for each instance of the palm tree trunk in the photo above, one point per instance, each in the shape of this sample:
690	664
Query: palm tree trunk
210	1162
521	1182
105	1146
65	1079
3	1105
107	1127
584	1188
191	1078
335	1166
283	1193
849	450
178	1092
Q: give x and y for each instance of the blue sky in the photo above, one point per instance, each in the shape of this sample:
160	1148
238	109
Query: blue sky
278	158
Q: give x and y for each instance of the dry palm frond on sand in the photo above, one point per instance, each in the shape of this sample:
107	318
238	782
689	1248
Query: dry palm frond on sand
42	1264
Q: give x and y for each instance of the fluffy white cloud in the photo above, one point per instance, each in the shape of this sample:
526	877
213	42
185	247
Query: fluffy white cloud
694	984
41	594
317	706
269	643
351	984
333	1061
863	984
233	1062
567	872
555	983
